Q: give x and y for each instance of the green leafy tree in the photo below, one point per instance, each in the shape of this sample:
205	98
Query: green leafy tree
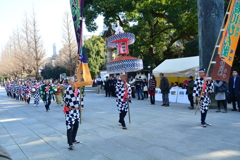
54	72
157	25
95	50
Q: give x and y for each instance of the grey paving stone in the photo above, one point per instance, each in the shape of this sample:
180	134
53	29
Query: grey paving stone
15	152
156	132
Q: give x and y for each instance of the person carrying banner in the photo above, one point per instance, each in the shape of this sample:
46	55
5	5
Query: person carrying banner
71	110
123	93
46	92
99	85
202	88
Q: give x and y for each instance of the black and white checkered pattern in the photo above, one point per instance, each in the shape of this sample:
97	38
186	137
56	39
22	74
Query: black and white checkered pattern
26	91
36	95
72	102
205	99
120	90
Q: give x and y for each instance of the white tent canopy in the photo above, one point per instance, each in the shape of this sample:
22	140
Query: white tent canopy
178	67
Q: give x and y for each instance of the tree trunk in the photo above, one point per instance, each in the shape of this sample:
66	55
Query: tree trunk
210	17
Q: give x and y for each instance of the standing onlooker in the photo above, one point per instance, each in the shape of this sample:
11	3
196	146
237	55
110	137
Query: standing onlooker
220	95
114	85
94	83
99	84
234	90
132	84
145	88
164	86
152	83
201	90
139	88
190	86
112	90
107	87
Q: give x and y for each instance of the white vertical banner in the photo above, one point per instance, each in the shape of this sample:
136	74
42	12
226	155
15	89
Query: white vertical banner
173	95
182	96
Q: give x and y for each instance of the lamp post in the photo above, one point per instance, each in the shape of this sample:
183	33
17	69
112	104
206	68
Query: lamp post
149	67
40	71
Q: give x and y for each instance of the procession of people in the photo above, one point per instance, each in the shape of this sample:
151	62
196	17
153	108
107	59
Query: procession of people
67	95
25	90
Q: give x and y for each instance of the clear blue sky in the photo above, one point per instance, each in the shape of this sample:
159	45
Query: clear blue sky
49	15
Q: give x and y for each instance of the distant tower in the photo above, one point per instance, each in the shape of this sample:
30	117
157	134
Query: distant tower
54	52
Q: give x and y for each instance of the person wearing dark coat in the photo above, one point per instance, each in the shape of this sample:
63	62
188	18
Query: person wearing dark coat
110	80
190	86
152	83
107	87
139	88
164	86
114	86
234	90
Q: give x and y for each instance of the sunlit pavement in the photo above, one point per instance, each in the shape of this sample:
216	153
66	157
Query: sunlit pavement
156	132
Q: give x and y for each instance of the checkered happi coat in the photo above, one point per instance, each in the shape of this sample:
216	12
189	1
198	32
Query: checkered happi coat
72	102
120	90
205	99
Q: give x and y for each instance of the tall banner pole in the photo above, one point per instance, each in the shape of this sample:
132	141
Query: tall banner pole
227	47
228	44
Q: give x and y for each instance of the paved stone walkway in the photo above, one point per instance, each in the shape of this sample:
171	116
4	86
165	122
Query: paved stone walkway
156	132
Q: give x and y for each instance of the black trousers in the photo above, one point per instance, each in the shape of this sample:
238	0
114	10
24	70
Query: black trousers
28	100
107	93
47	103
112	89
224	103
203	116
190	98
122	115
133	94
234	99
72	132
152	99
